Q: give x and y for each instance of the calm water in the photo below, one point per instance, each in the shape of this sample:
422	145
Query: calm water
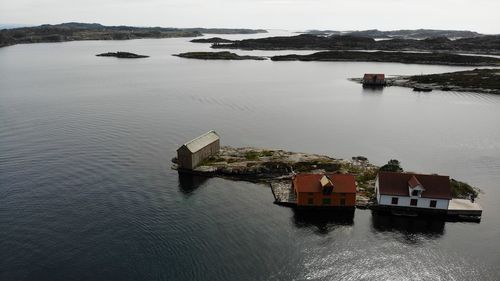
87	193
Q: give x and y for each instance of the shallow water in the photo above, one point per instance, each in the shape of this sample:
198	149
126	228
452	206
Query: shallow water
87	193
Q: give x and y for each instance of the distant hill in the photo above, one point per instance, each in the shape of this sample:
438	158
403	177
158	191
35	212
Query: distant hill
402	34
73	31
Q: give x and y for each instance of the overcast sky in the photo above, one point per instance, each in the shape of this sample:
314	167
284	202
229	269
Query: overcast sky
477	15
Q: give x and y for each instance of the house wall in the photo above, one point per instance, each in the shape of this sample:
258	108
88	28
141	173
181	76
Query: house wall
302	199
404	201
188	160
205	152
373	82
184	158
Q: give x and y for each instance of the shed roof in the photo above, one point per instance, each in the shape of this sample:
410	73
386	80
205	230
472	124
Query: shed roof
436	186
200	142
342	183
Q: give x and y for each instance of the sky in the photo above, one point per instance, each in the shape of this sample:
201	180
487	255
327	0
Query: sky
477	15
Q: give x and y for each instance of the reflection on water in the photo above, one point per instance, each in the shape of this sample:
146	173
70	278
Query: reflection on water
324	220
189	182
372	89
409	226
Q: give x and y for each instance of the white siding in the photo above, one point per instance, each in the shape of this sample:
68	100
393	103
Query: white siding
404	201
377	193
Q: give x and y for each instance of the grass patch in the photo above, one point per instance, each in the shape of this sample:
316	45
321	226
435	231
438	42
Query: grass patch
267	153
211	160
252	155
462	190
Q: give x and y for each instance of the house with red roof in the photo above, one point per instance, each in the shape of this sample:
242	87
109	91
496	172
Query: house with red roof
410	190
325	190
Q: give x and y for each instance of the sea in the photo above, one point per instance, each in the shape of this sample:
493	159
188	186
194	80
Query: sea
87	191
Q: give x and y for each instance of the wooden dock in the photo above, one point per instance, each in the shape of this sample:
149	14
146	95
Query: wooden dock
283	194
464	207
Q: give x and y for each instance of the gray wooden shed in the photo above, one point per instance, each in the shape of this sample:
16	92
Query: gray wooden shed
192	153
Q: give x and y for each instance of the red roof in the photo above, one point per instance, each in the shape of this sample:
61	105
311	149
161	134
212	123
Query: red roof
342	183
436	186
413	182
371	76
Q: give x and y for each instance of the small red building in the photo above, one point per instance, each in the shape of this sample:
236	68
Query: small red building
325	190
374	79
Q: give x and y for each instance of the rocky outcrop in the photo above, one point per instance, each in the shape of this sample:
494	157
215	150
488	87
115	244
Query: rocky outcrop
274	165
217	56
401	57
211	40
481	45
477	80
122	55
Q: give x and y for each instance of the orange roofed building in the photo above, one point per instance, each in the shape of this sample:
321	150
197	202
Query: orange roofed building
325	190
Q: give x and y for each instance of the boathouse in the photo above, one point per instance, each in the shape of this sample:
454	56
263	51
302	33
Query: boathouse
192	153
416	191
373	79
324	190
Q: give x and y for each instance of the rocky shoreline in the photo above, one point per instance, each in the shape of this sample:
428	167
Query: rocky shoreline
211	40
217	56
399	57
271	166
122	55
477	80
487	44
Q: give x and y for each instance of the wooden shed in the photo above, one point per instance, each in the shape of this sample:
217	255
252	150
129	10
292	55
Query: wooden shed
373	79
192	153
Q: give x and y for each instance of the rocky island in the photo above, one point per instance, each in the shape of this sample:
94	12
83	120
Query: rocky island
401	34
400	57
211	40
487	44
122	55
477	80
217	56
274	166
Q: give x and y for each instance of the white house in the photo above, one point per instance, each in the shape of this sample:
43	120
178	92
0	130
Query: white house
413	190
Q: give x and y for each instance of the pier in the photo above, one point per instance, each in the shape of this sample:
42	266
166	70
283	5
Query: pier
283	194
464	207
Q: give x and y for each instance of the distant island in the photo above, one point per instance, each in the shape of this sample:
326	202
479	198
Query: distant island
217	56
480	45
124	55
74	31
401	57
400	34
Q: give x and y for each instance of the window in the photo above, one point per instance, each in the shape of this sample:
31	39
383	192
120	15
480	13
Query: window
326	201
311	194
310	201
414	202
342	195
433	204
342	201
394	201
414	193
327	190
